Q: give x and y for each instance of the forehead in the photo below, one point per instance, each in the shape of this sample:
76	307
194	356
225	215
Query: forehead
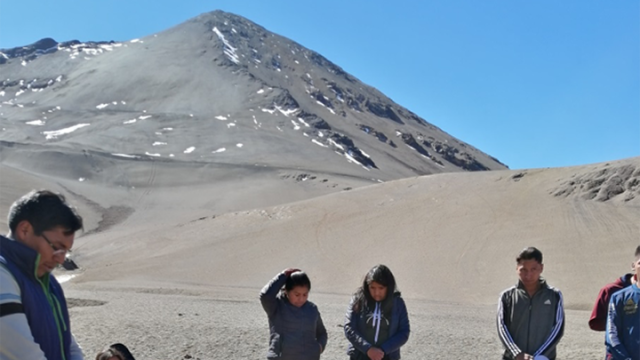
300	290
375	284
529	264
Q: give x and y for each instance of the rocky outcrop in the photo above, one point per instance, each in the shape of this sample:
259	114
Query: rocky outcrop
608	183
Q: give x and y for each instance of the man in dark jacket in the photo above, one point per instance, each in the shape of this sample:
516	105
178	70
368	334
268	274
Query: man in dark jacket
530	314
34	321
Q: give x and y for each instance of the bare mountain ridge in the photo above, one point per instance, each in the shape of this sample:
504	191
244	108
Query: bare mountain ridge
218	88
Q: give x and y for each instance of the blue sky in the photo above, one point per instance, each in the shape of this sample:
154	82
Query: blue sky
536	84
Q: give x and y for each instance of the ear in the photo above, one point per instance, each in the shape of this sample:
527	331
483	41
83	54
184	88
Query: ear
541	268
23	229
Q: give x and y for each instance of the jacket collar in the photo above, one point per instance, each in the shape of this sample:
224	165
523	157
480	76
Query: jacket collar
541	281
24	257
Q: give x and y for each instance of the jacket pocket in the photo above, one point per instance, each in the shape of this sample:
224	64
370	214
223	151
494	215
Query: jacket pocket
275	346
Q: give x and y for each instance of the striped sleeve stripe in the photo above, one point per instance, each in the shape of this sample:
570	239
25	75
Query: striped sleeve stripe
10	309
8	297
556	329
503	332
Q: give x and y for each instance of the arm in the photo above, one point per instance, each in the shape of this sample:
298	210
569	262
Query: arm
75	350
598	320
612	336
556	332
395	341
268	295
16	341
351	330
321	333
504	306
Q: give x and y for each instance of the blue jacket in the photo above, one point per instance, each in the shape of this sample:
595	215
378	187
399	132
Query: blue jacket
623	324
399	329
42	299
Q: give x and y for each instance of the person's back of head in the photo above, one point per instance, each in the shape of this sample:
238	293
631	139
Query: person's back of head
110	354
44	210
123	350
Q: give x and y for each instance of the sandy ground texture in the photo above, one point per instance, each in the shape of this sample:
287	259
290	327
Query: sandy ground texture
174	271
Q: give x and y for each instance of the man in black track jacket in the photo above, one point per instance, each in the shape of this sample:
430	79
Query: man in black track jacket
530	314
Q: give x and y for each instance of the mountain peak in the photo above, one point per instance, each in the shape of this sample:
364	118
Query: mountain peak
219	88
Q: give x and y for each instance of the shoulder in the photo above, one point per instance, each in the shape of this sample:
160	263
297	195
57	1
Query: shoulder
624	293
9	288
508	291
555	291
311	305
398	301
613	287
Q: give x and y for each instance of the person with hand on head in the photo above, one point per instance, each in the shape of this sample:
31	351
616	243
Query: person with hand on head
530	317
376	323
34	321
622	336
295	325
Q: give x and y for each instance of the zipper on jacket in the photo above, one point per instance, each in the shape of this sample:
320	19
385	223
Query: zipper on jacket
56	315
529	325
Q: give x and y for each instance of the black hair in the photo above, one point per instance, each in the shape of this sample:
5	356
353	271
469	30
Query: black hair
383	276
298	278
530	253
44	210
638	251
123	350
108	354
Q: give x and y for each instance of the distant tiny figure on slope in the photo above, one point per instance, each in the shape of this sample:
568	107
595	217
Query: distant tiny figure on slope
376	323
295	325
530	316
622	336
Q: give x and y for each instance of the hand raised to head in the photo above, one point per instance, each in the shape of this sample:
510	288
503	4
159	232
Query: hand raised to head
290	271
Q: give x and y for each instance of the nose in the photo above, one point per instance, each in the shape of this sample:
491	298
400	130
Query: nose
59	257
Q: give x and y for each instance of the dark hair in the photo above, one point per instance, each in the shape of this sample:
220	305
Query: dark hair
108	354
530	253
44	210
298	278
122	350
383	276
638	251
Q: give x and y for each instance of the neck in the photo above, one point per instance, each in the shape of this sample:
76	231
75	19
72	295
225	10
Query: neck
532	289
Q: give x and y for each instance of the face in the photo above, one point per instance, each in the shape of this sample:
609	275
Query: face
52	245
635	267
377	291
529	271
298	295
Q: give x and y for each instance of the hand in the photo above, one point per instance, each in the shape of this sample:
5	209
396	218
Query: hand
320	348
523	356
375	353
290	271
